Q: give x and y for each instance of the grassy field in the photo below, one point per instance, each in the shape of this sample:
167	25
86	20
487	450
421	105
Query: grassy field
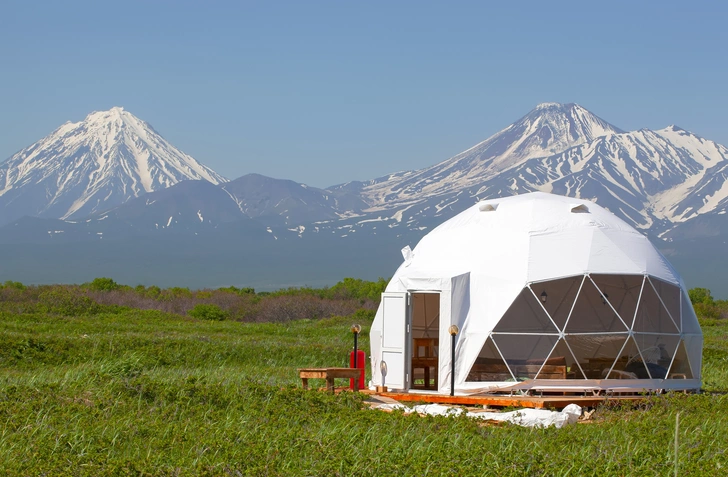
153	393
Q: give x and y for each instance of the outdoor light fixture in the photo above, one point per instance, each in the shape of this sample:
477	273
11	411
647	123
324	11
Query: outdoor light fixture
355	329
544	296
604	298
453	330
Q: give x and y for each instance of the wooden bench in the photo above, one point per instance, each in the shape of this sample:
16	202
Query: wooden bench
329	374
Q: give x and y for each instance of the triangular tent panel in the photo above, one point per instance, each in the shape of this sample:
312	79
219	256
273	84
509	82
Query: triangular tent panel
525	354
561	355
630	361
593	312
681	365
694	348
558	297
489	366
657	352
621	292
688	319
670	296
596	353
526	315
652	316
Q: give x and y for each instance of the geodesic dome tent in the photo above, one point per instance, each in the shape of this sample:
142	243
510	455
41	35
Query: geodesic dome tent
548	292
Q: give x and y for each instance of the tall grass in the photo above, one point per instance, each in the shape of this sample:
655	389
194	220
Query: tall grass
144	392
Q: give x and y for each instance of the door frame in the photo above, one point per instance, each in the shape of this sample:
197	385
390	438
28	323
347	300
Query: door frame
410	330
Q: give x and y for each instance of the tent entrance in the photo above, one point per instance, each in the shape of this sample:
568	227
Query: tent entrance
424	340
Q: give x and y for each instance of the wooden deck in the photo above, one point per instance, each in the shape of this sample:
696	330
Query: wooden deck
495	400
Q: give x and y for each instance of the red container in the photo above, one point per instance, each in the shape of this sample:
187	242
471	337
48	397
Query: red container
360	358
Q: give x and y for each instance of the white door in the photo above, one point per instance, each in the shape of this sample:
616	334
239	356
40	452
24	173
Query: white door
395	328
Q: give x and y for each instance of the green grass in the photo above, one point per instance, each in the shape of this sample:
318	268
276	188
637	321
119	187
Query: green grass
149	393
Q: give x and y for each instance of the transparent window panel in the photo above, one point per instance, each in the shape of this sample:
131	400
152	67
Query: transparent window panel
651	316
670	295
489	366
561	364
596	353
681	366
559	296
525	315
630	363
525	354
657	352
689	320
694	348
622	293
592	313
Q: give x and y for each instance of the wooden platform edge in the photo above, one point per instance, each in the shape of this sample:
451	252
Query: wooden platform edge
535	402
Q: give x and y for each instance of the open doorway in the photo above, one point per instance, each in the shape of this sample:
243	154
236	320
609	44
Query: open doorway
425	340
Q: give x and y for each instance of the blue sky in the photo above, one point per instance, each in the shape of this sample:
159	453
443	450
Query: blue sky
327	92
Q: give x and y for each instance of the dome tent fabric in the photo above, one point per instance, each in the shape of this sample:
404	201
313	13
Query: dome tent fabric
548	292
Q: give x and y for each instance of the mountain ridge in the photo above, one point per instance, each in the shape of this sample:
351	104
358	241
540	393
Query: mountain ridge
669	183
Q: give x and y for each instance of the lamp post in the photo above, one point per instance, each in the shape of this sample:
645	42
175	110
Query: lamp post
356	329
453	332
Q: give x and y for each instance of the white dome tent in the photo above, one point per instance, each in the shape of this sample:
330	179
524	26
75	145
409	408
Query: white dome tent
550	293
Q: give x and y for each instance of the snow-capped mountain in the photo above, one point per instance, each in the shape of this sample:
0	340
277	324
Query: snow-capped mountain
549	129
93	165
670	183
652	179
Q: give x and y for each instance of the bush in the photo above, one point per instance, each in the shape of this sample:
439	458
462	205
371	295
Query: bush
359	289
103	284
707	307
700	295
207	312
13	285
62	301
239	291
153	291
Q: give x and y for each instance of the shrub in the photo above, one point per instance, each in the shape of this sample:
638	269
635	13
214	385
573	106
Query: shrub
62	301
13	285
178	292
153	291
707	307
207	312
239	291
103	284
700	295
359	289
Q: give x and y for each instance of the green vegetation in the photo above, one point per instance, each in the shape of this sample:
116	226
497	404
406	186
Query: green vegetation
207	312
93	386
706	306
